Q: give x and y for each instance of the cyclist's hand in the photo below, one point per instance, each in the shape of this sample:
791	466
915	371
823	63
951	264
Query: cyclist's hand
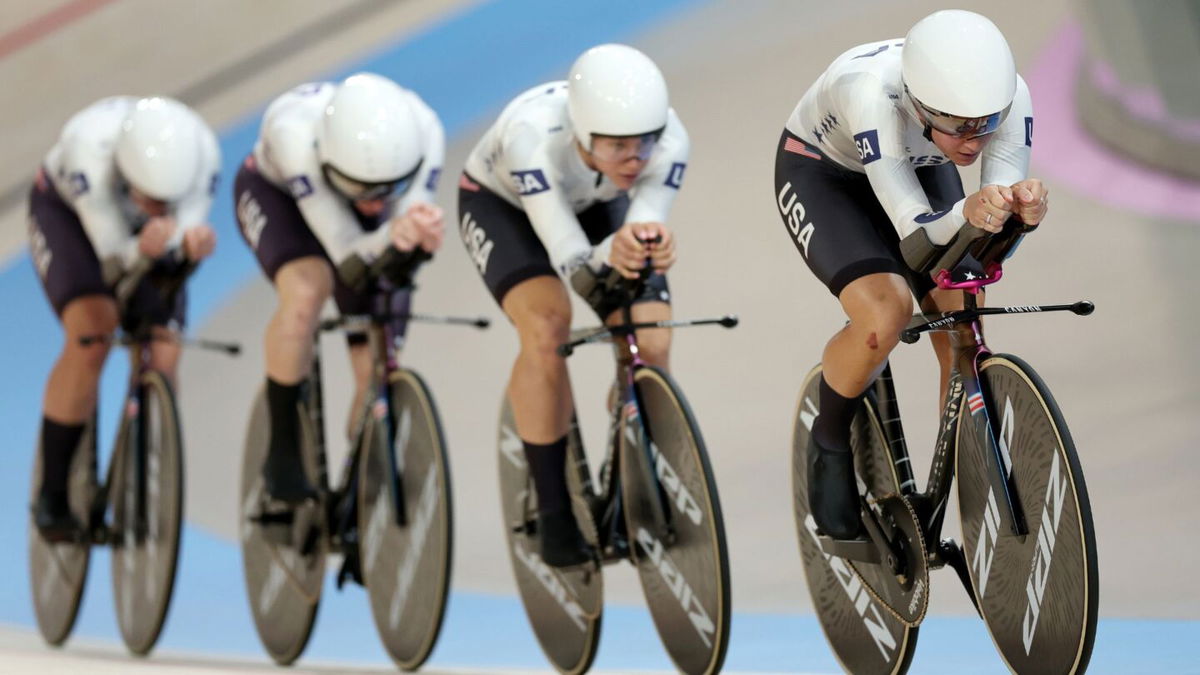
1031	201
629	250
199	242
430	225
989	208
152	241
421	225
662	252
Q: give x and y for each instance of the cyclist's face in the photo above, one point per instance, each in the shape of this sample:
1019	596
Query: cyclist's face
150	206
370	207
961	151
622	158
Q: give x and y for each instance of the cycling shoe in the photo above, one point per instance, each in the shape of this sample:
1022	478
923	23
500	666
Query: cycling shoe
833	492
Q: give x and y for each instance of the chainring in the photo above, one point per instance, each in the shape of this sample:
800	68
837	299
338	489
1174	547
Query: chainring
905	596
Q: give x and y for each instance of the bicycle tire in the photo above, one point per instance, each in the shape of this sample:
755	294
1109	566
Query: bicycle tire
850	616
408	615
144	563
1040	590
667	472
282	586
564	606
58	571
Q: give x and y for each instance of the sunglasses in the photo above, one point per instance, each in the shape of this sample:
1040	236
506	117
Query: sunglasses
958	126
356	190
623	148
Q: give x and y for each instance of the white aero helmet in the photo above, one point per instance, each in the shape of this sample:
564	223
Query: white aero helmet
959	72
615	90
368	140
159	149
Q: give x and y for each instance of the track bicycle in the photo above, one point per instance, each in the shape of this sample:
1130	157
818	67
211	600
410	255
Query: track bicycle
655	505
389	517
1028	559
138	509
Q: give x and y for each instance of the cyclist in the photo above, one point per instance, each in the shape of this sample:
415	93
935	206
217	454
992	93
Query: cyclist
341	172
129	178
869	156
574	179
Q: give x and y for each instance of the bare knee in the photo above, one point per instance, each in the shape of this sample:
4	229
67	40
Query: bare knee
88	323
543	329
654	346
300	302
880	320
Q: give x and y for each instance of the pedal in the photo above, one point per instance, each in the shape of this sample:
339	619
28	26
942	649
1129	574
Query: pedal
860	549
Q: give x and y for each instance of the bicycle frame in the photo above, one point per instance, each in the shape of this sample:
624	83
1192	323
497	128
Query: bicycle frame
969	351
384	340
384	327
607	508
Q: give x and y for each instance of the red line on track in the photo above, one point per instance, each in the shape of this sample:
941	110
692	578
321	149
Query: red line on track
47	23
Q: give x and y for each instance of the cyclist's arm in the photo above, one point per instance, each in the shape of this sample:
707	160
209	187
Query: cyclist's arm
545	202
1005	160
87	186
877	126
328	215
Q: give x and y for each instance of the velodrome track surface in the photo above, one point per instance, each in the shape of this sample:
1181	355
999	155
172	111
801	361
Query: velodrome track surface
1122	376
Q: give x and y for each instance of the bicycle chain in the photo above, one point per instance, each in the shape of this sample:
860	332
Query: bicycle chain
925	568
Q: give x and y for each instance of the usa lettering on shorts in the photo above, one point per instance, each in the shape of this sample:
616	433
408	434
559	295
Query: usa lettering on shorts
793	212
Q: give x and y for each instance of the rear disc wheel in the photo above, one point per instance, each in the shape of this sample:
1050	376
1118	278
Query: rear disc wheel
564	606
283	562
866	638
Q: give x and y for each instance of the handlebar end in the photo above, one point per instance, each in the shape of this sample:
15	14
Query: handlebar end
909	337
565	350
728	321
482	323
1083	307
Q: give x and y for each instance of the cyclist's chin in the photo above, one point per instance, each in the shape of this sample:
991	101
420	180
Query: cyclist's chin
622	178
964	158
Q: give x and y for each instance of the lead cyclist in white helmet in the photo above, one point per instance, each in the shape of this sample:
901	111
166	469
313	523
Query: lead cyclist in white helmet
868	157
572	180
129	178
341	172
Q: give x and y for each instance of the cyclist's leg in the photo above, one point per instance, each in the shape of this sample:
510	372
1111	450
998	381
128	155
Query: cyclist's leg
70	274
69	402
847	240
294	260
516	269
654	344
539	388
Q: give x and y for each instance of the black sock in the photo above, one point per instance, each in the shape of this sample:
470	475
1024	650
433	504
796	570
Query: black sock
832	427
547	466
58	449
282	400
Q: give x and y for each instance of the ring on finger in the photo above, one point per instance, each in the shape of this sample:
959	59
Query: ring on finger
988	220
